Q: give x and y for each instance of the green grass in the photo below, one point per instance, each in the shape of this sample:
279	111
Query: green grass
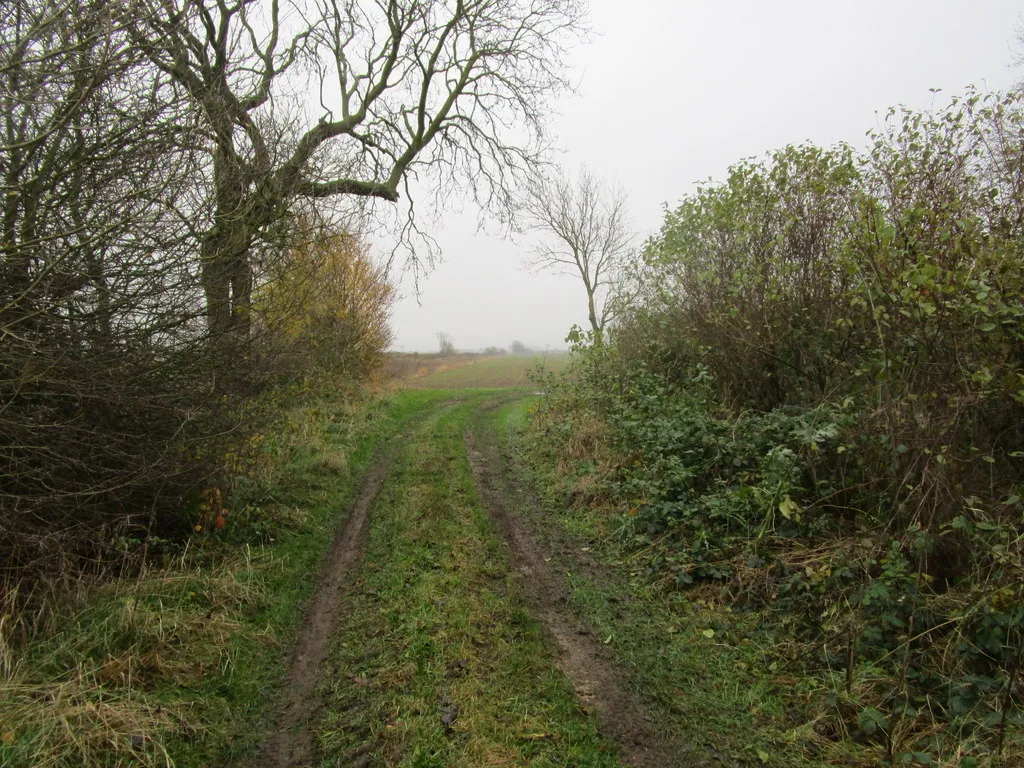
511	417
702	674
493	373
436	618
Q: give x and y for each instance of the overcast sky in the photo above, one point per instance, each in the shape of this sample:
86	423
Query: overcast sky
672	92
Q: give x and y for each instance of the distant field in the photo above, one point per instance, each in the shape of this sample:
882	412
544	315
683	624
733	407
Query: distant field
406	366
491	373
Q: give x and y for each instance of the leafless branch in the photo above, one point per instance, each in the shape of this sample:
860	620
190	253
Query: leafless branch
586	232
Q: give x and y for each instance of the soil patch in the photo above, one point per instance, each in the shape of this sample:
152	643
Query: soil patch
292	741
599	683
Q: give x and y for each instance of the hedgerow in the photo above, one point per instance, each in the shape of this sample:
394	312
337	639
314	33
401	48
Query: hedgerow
814	408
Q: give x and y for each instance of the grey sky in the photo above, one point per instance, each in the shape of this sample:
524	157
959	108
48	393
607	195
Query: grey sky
673	92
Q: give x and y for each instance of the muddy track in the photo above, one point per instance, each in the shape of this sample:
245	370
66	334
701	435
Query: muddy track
600	685
291	742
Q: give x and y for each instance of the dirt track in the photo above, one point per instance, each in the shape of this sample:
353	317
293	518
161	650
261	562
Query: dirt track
596	679
583	658
291	742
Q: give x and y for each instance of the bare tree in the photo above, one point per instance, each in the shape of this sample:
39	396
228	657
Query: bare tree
586	232
99	306
1017	49
449	87
445	343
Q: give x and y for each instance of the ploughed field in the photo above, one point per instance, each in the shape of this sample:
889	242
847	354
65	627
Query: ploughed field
474	372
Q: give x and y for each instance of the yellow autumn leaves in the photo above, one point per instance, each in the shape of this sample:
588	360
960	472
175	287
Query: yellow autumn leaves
330	300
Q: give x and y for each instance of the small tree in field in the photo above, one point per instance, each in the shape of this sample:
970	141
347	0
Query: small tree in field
587	233
445	343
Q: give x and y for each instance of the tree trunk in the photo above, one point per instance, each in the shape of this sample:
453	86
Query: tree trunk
241	295
225	250
595	324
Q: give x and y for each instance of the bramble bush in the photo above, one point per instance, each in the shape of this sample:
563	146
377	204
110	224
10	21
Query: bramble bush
814	407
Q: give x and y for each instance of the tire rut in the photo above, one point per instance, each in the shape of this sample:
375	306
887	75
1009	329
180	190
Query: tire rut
291	743
597	681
